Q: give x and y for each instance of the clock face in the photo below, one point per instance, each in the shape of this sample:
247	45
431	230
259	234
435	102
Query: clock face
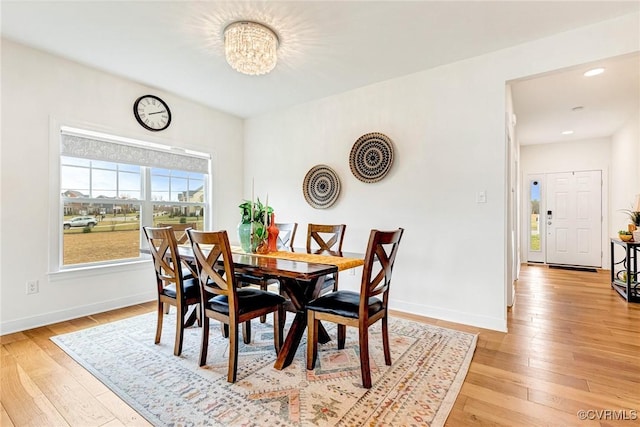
152	113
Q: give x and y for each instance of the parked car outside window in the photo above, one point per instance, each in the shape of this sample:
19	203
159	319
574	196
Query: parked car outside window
80	221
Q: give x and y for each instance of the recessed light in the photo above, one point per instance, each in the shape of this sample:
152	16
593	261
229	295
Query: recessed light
594	72
567	132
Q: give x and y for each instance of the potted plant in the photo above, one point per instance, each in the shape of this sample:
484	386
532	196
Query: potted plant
634	217
252	229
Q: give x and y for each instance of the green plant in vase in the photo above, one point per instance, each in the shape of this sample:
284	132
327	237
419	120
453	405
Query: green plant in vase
252	229
634	216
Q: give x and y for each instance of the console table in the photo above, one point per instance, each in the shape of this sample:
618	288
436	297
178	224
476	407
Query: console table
624	273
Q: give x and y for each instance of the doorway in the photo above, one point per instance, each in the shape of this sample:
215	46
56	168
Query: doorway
565	218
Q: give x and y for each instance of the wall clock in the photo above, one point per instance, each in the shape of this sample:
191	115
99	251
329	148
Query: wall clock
152	113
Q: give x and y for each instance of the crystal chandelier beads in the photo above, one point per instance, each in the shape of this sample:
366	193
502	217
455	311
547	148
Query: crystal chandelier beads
250	47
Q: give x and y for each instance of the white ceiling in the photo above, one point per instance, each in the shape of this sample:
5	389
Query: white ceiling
547	105
326	47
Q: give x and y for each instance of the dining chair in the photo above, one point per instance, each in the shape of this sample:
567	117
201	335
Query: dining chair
172	286
326	239
286	235
360	310
180	230
223	300
181	238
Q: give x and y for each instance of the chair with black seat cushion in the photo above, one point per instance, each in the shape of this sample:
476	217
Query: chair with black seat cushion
286	236
360	310
223	300
172	286
326	239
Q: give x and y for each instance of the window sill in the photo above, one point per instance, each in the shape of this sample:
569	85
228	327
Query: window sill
99	270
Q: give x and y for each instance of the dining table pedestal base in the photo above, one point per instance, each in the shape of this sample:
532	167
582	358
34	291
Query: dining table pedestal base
300	293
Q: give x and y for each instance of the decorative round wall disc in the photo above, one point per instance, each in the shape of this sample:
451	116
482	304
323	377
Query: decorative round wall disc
371	157
321	187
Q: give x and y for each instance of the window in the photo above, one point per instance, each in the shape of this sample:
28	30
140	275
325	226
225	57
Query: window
110	188
534	216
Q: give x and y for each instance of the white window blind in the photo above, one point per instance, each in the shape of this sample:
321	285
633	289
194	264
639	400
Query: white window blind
102	148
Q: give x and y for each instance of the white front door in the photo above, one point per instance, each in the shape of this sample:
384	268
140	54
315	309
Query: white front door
574	218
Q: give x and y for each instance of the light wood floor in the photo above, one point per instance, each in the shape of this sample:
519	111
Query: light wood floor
573	345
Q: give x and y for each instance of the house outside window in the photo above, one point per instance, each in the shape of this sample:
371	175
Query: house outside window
110	189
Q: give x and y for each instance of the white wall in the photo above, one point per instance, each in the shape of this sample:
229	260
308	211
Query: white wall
448	127
512	194
39	89
625	172
594	154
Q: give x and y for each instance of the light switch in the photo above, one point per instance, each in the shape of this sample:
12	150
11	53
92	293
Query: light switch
481	197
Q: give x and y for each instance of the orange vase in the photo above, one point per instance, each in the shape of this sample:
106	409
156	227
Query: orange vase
273	231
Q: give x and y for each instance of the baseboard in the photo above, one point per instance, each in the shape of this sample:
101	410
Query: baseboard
73	313
484	322
574	268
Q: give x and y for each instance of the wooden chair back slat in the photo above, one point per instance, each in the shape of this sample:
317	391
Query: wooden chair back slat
214	263
180	230
378	265
325	238
286	235
166	260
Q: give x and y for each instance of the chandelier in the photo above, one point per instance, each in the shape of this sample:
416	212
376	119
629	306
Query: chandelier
250	47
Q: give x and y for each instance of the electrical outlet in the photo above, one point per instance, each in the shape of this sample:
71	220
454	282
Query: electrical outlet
32	287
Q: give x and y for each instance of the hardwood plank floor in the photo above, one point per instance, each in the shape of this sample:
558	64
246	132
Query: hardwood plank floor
573	345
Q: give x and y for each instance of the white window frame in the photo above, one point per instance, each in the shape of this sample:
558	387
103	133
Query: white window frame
56	267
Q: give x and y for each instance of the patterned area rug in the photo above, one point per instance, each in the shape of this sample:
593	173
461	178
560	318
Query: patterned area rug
418	389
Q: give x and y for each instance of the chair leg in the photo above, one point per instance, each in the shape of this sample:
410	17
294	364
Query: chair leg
177	347
385	341
192	318
224	328
312	339
263	287
204	343
246	332
342	336
159	325
365	369
278	328
233	353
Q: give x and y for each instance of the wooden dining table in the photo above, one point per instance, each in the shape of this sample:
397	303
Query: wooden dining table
301	276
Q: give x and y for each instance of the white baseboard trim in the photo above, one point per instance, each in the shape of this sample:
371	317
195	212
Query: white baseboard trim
73	313
450	315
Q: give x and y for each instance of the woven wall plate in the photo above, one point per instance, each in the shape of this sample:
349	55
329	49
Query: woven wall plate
321	187
371	157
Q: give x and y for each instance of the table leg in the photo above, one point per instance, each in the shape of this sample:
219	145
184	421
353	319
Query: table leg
323	336
291	343
191	319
